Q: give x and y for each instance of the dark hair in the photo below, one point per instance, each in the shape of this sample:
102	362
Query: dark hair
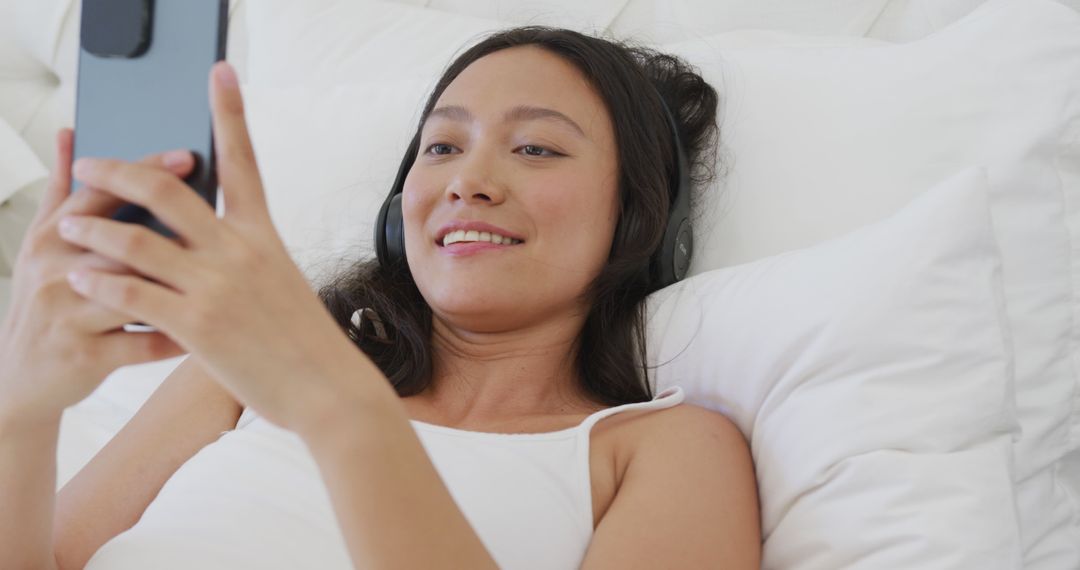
610	357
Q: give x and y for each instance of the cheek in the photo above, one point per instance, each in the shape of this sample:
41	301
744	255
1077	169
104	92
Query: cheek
581	219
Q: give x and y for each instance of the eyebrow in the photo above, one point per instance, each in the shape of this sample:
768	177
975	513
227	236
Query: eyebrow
518	113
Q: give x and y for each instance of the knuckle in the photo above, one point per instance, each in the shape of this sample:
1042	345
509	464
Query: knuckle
38	242
252	259
160	188
35	247
48	294
126	292
66	319
133	242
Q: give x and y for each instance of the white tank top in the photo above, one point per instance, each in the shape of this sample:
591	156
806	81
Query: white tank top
527	496
255	499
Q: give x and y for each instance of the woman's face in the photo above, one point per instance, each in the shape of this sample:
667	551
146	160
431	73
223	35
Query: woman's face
519	149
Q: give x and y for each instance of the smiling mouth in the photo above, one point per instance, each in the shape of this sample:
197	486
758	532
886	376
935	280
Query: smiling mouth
473	236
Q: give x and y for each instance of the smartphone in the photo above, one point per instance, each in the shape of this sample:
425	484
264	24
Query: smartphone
143	86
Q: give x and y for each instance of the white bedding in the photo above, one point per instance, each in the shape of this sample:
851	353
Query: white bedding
828	127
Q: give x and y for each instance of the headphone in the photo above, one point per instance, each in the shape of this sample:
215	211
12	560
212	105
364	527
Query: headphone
667	265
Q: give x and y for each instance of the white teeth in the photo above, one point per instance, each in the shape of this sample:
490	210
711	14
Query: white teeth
473	235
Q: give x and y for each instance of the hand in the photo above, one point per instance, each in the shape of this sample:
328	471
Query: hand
55	346
227	290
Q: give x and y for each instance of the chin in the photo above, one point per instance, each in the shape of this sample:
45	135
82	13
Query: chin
483	301
484	310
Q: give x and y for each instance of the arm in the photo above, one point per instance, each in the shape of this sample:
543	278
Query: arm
393	508
688	499
108	496
55	349
27	484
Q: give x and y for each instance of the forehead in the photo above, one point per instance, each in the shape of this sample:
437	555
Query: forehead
532	76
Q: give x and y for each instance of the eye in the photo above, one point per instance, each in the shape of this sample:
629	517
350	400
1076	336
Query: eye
539	151
439	149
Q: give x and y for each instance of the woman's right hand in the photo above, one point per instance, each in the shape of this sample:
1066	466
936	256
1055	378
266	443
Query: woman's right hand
56	346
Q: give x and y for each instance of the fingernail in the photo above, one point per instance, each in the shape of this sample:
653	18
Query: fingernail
69	226
82	167
175	158
227	76
77	279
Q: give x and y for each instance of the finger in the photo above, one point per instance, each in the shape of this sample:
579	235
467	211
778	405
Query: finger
237	170
168	198
91	260
137	348
91	316
136	246
131	295
59	186
178	162
86	201
96	202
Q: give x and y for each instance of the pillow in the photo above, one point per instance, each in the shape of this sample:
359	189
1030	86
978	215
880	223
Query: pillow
19	166
674	20
353	42
669	20
913	19
342	35
876	395
893	118
21	174
323	197
872	376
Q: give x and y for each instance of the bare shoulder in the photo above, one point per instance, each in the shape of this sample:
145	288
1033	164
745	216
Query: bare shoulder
680	428
690	471
689	420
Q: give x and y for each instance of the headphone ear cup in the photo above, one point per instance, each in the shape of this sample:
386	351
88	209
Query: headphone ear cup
389	226
395	231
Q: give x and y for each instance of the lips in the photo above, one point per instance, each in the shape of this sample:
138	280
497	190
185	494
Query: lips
459	236
461	232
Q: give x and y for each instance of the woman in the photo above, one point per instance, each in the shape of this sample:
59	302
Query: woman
556	141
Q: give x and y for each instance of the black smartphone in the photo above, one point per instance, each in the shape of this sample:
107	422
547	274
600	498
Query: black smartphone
143	86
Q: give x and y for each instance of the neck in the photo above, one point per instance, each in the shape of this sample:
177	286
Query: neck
487	377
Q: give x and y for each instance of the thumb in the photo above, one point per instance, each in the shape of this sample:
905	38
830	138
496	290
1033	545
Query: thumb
59	186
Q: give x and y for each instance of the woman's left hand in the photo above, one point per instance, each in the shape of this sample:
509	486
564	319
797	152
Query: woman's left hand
227	290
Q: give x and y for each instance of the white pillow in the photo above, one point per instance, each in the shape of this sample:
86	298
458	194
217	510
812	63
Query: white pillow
811	131
328	156
875	392
674	20
353	42
872	375
19	166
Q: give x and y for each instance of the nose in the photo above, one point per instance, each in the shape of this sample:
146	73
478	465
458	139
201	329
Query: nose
474	182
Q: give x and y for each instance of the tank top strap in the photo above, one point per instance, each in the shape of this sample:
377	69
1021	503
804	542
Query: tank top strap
671	396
